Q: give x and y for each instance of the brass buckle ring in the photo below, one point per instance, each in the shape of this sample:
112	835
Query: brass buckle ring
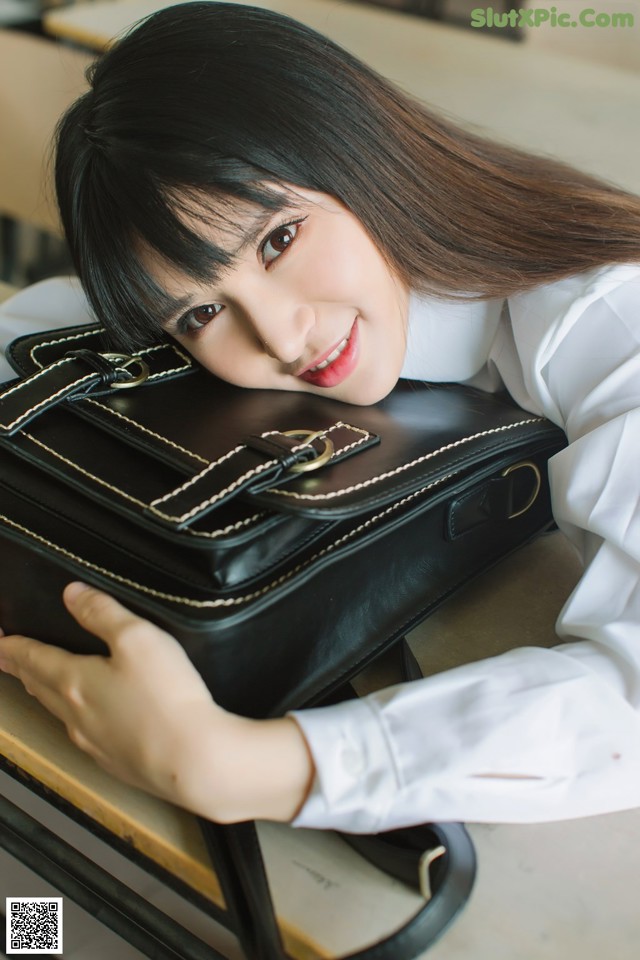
123	363
536	489
309	436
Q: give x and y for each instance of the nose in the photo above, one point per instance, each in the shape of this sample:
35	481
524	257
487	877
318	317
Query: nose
283	329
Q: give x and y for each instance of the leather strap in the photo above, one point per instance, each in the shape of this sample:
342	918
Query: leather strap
74	375
254	465
236	855
251	465
80	372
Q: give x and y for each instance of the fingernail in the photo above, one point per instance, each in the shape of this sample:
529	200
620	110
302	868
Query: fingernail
73	591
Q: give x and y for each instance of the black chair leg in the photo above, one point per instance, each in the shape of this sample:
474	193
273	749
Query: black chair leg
8	246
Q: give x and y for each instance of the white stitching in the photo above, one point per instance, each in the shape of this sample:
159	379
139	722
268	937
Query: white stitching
217	496
158	436
231	601
212	534
49	343
81	470
42	403
228	489
405	466
162	373
106	409
34	376
208	534
91	331
347	426
27	384
214	463
198	476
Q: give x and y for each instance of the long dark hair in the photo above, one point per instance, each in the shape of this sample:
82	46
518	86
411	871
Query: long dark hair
207	104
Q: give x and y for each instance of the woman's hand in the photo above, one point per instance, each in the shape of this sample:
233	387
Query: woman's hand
146	716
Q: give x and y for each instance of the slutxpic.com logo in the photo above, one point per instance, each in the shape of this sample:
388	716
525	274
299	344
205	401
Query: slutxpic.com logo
488	17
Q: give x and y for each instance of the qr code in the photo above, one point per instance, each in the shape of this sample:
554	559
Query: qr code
34	925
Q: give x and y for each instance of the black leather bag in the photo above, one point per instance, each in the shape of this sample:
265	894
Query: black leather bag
285	539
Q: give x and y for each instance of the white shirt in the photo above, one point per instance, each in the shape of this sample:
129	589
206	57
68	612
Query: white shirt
561	726
566	719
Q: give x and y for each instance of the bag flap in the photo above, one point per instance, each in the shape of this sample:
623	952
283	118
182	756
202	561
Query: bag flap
228	442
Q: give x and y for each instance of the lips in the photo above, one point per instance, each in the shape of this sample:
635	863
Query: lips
336	364
332	356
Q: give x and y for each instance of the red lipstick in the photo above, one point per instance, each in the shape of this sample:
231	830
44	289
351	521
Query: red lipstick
338	369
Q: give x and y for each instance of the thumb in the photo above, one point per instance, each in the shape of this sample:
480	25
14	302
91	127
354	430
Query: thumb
100	614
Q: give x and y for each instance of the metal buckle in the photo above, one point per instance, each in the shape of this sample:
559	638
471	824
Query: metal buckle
424	863
536	489
320	459
123	362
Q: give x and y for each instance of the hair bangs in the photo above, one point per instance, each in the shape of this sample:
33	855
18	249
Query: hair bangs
156	230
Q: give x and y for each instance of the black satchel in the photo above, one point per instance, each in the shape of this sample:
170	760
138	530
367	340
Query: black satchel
285	539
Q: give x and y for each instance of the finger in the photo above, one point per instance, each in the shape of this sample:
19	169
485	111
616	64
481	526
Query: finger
100	614
26	658
42	670
50	675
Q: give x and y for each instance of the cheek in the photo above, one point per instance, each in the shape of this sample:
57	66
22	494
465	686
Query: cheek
227	355
358	269
330	278
339	268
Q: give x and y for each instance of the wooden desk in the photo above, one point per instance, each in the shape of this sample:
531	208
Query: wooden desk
543	892
581	112
328	899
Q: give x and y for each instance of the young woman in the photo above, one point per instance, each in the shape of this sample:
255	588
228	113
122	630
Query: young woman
238	181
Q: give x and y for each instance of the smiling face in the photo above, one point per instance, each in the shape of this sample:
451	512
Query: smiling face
310	306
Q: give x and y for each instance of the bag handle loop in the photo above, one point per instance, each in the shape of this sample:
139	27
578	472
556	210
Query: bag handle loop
407	854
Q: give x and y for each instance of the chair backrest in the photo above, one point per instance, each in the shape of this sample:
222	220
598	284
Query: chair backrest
38	79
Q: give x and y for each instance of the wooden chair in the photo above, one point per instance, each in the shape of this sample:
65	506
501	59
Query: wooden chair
38	79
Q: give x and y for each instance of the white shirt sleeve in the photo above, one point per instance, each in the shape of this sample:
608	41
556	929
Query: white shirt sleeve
534	734
48	305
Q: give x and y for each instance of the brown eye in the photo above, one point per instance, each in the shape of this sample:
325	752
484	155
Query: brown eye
279	241
200	316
